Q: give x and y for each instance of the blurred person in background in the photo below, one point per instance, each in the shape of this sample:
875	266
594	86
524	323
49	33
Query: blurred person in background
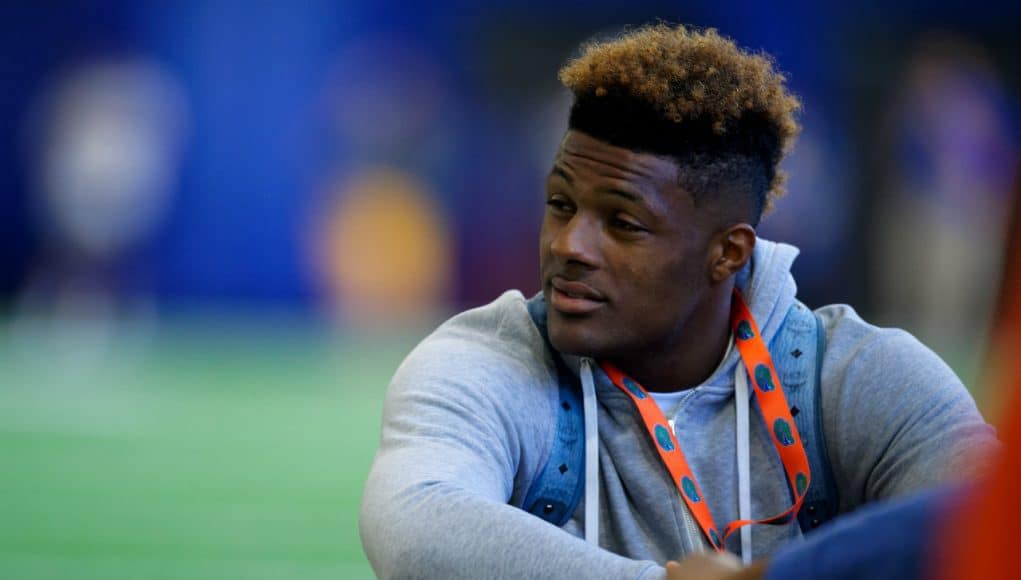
949	152
107	142
658	302
382	248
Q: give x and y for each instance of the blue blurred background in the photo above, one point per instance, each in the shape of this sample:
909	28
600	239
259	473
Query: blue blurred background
224	223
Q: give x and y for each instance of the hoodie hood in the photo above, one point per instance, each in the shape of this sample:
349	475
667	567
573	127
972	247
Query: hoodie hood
769	289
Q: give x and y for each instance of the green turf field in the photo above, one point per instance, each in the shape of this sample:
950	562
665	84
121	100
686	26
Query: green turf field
188	454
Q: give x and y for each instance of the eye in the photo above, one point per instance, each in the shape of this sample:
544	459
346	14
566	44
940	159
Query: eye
627	225
559	205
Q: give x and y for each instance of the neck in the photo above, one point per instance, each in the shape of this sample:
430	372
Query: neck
690	359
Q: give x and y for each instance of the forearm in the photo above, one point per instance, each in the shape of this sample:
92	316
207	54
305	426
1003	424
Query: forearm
440	531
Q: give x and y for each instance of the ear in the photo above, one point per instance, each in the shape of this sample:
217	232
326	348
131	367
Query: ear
729	251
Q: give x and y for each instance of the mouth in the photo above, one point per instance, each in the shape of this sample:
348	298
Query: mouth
569	297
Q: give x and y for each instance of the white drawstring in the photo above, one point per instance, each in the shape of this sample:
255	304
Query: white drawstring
588	391
744	489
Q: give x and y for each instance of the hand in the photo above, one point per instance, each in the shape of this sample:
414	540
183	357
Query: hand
713	566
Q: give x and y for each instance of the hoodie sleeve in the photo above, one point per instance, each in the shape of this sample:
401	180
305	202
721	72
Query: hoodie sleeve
456	438
896	418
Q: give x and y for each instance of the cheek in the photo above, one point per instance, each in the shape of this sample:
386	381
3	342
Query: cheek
660	307
663	288
546	233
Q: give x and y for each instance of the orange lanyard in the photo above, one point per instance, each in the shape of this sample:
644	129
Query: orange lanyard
775	410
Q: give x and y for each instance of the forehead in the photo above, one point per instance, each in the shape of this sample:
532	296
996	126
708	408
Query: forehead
590	157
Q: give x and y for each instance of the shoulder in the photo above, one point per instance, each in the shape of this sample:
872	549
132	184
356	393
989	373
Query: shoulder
493	337
897	418
484	381
880	383
493	353
857	347
503	326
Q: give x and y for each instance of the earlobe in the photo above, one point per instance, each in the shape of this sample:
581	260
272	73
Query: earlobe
731	251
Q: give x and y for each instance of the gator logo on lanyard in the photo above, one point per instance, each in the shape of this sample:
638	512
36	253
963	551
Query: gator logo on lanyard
763	378
800	482
744	330
633	388
782	430
690	490
663	438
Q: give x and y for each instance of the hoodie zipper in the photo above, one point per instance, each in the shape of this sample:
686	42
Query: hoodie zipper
694	533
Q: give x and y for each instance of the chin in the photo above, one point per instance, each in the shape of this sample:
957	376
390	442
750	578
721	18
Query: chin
573	337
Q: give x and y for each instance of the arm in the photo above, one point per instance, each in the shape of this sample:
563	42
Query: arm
435	503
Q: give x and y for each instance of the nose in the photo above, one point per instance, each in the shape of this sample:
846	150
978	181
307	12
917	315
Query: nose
576	241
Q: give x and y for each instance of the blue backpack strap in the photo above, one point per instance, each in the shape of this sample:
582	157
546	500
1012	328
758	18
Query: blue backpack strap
555	493
798	351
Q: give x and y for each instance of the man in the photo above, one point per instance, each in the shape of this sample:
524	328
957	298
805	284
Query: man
658	300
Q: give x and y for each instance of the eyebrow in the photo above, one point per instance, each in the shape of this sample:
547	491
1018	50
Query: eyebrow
626	195
558	171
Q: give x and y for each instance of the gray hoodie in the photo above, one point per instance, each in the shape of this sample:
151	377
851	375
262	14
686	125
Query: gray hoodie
470	415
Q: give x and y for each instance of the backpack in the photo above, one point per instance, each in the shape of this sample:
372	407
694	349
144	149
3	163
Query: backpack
797	354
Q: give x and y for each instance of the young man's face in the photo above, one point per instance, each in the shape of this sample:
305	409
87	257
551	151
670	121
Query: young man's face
624	260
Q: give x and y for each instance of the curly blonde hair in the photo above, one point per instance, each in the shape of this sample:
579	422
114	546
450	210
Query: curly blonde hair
722	112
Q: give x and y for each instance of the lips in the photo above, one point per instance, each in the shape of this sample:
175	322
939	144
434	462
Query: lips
569	297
